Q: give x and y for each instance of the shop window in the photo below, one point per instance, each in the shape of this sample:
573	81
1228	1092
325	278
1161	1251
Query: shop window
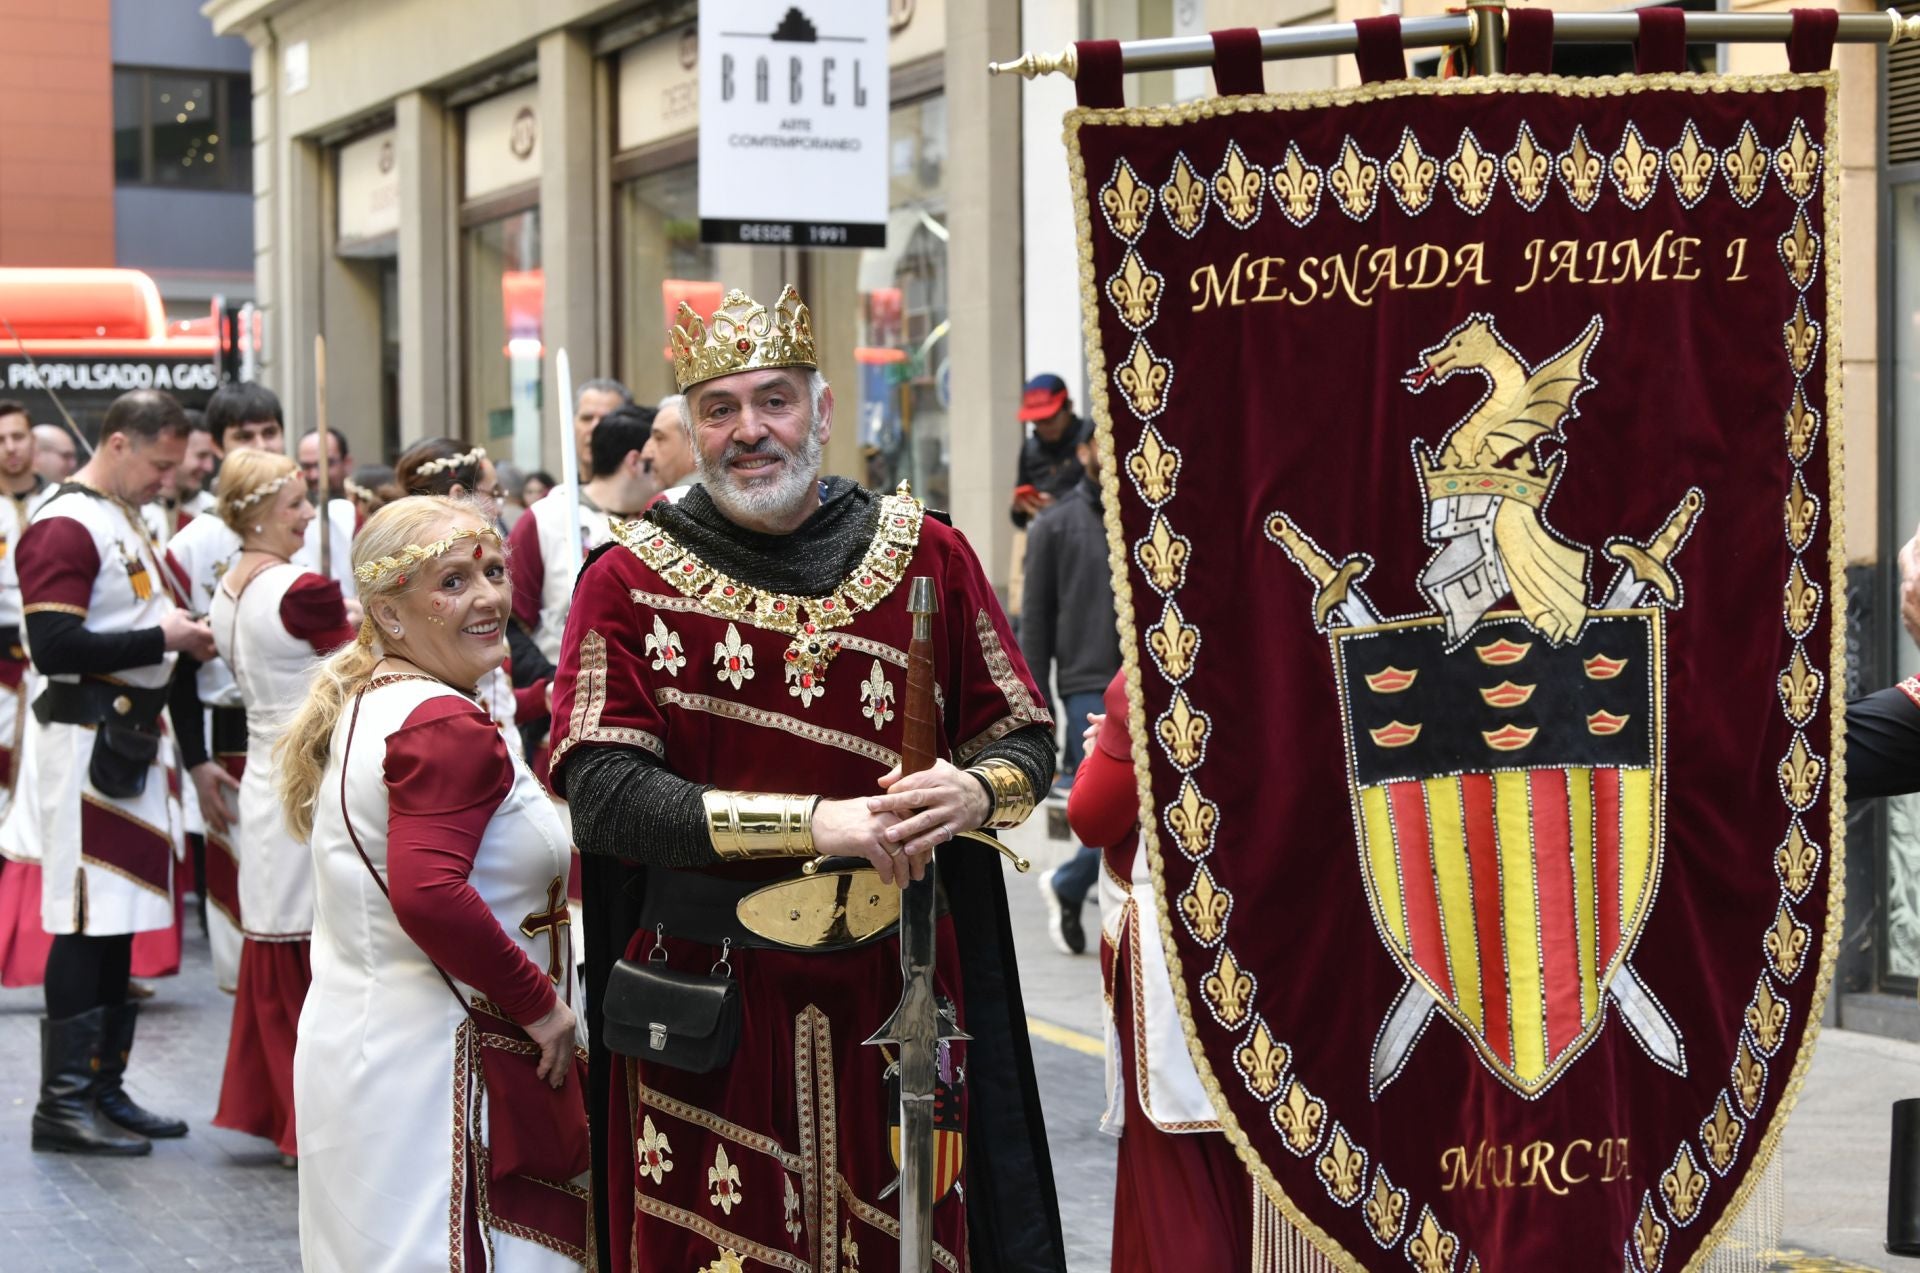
504	293
182	129
660	257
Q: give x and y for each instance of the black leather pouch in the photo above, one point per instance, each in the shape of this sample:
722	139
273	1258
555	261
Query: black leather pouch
122	758
686	1020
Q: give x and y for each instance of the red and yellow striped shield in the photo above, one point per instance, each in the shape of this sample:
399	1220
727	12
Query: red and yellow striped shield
1508	800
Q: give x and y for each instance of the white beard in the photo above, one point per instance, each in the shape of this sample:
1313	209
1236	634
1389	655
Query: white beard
765	500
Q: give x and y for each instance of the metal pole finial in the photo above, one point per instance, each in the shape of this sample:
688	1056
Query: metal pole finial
1033	65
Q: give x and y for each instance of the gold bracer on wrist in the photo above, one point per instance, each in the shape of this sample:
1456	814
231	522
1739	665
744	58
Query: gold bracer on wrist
1012	794
750	825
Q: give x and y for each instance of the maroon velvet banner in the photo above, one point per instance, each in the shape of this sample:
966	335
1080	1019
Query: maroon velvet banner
1472	462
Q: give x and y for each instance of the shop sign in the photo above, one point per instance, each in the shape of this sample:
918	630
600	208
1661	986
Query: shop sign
793	123
502	147
111	377
368	188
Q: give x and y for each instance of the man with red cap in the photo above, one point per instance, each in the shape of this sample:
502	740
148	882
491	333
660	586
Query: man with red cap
1049	465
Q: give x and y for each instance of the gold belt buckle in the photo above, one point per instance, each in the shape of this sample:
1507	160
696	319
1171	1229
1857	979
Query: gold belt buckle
829	910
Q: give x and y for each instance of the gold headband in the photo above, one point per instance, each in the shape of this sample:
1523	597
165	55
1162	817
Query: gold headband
373	573
264	492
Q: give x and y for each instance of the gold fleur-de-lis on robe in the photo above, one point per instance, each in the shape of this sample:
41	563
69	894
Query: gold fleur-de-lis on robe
1795	860
1580	169
1802	600
1471	174
1342	1167
1721	1135
668	656
1163	555
1228	989
1298	185
876	695
728	1261
1412	174
1798	162
1174	642
1237	186
653	1154
1800	249
1126	201
723	1181
1749	1077
1298	1115
1355	180
1262	1061
1636	169
1135	290
1183	731
1143	379
1191	819
1154	467
1386	1209
1767	1017
1802	335
1802	513
1649	1236
1799	773
1185	198
733	658
1683	1185
1803	422
1206	907
1432	1249
1799	684
1527	170
1691	164
1746	165
1786	944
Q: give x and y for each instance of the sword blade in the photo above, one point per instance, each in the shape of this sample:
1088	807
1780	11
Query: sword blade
1646	1021
1401	1030
1626	591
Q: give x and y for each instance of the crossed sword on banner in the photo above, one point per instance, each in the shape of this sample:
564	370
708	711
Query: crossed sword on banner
1641	578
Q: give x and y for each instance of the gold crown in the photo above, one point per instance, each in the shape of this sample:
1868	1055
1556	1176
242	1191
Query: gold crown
742	335
1525	484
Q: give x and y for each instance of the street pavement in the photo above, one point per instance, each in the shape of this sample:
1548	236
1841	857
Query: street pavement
218	1200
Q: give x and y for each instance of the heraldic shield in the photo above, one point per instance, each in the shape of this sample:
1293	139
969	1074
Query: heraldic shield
1470	470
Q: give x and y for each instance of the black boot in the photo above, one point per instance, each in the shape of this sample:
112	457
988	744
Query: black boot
65	1120
116	1041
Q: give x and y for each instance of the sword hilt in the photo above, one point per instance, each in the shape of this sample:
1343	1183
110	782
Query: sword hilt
1649	564
1334	579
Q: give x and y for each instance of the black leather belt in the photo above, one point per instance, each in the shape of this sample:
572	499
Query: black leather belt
90	702
831	911
229	731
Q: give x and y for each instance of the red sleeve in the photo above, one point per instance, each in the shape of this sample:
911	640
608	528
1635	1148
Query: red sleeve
447	771
57	563
601	693
528	570
1105	802
314	612
530	702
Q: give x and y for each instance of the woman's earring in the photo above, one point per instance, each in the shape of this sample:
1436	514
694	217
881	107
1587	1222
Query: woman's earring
259	530
396	629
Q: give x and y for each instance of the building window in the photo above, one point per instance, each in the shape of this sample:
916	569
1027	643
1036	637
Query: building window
182	129
661	259
504	295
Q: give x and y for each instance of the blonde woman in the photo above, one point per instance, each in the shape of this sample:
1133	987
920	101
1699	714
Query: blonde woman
438	1078
273	622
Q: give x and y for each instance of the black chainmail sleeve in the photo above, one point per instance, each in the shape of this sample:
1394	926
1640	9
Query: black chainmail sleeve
627	804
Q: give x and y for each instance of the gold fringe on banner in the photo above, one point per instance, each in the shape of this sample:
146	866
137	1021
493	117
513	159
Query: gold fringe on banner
1752	1239
1278	1247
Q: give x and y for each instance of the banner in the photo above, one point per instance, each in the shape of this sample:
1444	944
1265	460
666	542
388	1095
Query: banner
1471	453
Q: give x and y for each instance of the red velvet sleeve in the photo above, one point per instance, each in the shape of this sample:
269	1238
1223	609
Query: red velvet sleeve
314	611
1105	802
447	771
57	563
528	570
530	702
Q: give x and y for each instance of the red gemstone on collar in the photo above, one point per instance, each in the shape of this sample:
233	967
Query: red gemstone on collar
806	681
727	591
780	607
688	568
827	604
866	581
899	521
791	656
659	543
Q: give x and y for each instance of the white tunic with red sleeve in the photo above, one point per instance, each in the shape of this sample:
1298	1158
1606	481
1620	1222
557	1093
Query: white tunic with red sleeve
107	863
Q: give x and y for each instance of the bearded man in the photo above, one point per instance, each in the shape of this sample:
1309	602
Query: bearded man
733	665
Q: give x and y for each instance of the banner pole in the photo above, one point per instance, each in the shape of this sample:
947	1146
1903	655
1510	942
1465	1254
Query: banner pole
1488	52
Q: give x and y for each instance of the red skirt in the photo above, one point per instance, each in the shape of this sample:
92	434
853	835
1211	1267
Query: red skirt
256	1094
23	942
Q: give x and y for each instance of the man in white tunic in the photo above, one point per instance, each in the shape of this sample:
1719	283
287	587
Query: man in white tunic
104	627
23	944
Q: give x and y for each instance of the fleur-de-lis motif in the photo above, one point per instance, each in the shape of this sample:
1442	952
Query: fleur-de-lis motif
849	1249
1691	165
733	658
728	1261
1799	773
1683	1185
1432	1249
1802	335
1183	731
1298	1115
664	646
1206	907
1228	989
1173	642
1799	687
1471	174
1356	181
1767	1017
1142	378
1803	422
653	1154
1636	169
1746	165
1342	1167
1262	1061
1411	173
1164	556
1749	1078
876	697
1786	944
1798	162
1135	290
1802	601
1237	187
792	1208
1386	1209
1795	860
1127	202
1185	197
1298	185
1800	249
1649	1236
723	1181
1580	170
1154	466
1191	820
1527	170
1721	1135
1802	513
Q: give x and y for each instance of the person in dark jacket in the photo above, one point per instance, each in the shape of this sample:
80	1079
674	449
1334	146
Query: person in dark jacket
1072	644
1049	458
